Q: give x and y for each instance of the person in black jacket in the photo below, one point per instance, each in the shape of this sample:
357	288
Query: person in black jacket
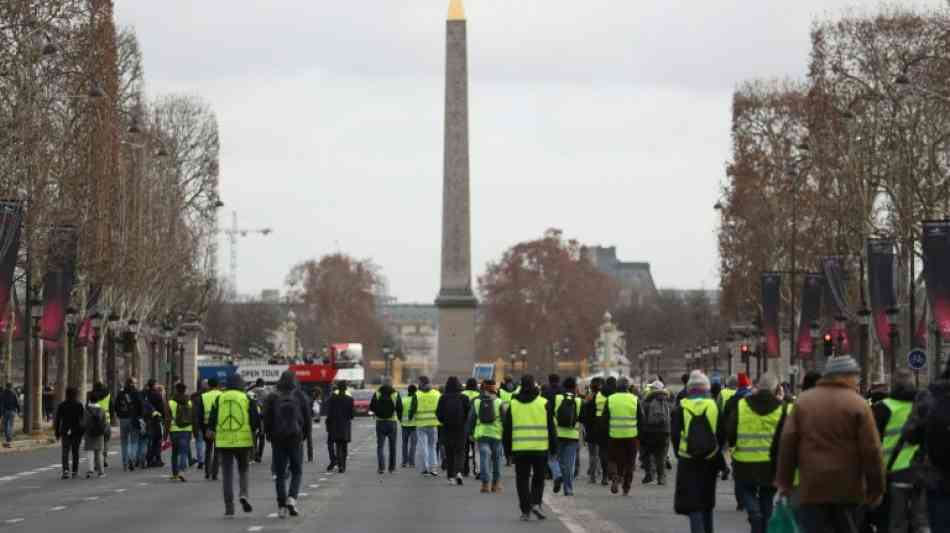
452	413
529	465
128	409
588	419
286	430
387	406
67	425
340	424
9	407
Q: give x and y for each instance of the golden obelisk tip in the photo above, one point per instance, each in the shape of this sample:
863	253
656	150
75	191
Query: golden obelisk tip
456	10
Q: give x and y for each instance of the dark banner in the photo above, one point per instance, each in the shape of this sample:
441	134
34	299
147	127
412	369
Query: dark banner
58	281
771	298
936	245
881	277
86	334
837	282
11	217
811	309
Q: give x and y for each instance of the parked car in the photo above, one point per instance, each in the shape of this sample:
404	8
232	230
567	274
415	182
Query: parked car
361	399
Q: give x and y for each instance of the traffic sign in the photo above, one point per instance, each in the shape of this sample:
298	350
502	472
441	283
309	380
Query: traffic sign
917	359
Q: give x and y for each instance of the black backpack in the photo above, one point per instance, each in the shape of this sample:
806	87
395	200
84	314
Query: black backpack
287	423
486	410
96	423
183	414
385	407
938	433
567	412
658	415
452	411
701	440
123	405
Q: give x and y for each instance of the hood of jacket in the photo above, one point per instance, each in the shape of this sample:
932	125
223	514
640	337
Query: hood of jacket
527	395
287	381
386	390
904	393
763	402
425	387
658	394
453	386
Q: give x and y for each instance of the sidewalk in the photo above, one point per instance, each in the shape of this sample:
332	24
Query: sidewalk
24	443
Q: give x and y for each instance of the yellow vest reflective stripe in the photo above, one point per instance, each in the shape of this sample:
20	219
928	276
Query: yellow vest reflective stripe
173	409
565	432
755	433
426	402
345	393
488	431
233	429
622	407
900	412
529	425
406	405
105	405
207	402
395	399
600	401
697	407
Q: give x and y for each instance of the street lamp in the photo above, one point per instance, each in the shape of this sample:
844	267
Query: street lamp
714	350
840	322
524	359
35	394
512	356
892	315
387	358
864	320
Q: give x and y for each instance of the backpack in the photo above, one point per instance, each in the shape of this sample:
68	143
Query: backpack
123	405
701	440
96	423
385	407
938	433
287	423
486	410
658	415
567	412
147	408
183	414
452	411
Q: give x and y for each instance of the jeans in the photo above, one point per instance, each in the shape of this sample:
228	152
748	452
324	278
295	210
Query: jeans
71	450
490	451
8	417
822	518
701	522
408	446
529	479
228	457
386	430
426	442
129	435
567	457
212	460
593	455
938	509
200	450
653	455
181	447
758	503
905	509
282	457
94	459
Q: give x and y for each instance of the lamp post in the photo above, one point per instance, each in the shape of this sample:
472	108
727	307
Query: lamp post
387	360
864	317
111	363
814	331
892	315
32	419
96	319
180	361
840	322
136	370
62	370
512	357
524	359
714	350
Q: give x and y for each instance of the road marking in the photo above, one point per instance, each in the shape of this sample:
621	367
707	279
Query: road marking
14	521
274	515
7	478
314	486
323	479
255	528
575	519
142	484
120	490
303	494
91	498
58	508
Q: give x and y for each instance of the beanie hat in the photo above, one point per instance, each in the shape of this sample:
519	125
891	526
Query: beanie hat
841	366
697	381
656	385
743	381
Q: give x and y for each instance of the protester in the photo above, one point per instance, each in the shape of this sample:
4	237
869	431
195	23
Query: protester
452	412
95	425
211	459
178	424
333	463
387	407
233	421
197	423
726	408
751	430
9	407
68	428
471	392
128	409
105	402
340	424
567	412
623	422
693	431
408	430
530	433
831	439
288	422
602	428
929	428
153	412
422	413
591	410
485	426
655	432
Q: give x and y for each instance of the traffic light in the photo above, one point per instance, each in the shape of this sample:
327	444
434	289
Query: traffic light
829	345
745	352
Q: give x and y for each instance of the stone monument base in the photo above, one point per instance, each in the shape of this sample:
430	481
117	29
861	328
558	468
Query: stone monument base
456	339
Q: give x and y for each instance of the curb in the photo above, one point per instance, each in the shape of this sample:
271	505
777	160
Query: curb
27	445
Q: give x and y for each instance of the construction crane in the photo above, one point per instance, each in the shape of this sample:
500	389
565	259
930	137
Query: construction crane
233	233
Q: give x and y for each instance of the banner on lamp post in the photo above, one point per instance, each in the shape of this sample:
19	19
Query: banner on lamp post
936	246
882	263
811	308
58	280
11	223
771	285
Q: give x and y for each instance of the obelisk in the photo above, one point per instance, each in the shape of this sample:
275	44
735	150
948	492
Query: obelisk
456	302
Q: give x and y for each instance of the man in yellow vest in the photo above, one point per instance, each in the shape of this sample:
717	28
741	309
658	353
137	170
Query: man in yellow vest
751	430
408	430
694	431
485	426
422	413
178	423
471	392
904	507
386	406
622	413
568	435
211	459
591	410
234	420
531	435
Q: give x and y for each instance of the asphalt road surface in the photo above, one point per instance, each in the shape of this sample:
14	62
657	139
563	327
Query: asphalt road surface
33	498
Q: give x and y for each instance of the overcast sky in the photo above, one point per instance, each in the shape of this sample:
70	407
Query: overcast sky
605	118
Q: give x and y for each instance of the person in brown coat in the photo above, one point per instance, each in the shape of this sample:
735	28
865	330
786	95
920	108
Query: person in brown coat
832	440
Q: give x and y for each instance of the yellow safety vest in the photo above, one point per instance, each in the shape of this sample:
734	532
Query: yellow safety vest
395	399
105	404
755	434
472	395
900	412
622	407
488	431
233	429
724	396
426	402
600	401
572	433
207	402
697	407
505	396
173	409
529	425
406	405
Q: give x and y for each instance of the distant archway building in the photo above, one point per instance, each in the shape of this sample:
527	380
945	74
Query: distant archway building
634	277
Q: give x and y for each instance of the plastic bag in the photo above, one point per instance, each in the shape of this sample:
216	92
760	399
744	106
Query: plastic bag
783	519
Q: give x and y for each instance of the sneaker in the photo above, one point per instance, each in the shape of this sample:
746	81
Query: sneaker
101	475
331	467
603	481
496	487
131	467
648	479
592	480
292	507
484	488
75	475
661	482
229	512
282	513
65	475
246	504
105	464
557	485
89	474
380	471
181	478
614	487
525	517
537	512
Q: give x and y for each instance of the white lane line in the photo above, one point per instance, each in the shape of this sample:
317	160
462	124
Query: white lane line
14	521
91	498
55	465
58	508
303	494
314	486
7	478
274	515
120	490
323	479
252	529
142	484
